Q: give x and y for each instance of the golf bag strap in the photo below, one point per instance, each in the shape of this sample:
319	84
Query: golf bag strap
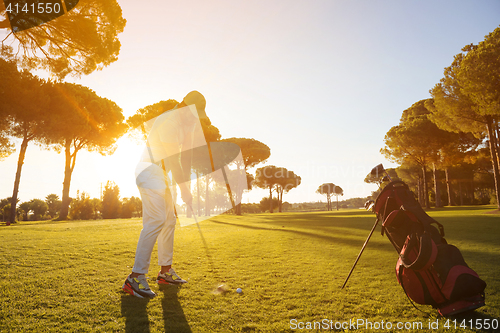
384	215
427	252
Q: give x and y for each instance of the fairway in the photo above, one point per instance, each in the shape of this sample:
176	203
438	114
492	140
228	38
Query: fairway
67	276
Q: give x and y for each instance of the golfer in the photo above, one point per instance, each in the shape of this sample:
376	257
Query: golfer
172	133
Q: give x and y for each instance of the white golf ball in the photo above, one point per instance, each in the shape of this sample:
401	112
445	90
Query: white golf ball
239	291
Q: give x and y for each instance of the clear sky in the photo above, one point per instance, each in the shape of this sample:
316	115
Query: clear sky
319	82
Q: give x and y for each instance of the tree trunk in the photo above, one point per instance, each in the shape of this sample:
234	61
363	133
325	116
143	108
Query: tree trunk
280	199
437	189
426	190
472	191
238	194
270	199
448	186
238	209
337	202
496	132
68	170
494	160
460	192
20	162
420	191
207	205
198	194
467	200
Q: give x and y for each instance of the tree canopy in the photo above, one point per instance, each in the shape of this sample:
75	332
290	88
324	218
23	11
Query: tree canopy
468	96
137	122
8	85
79	42
415	140
479	74
253	151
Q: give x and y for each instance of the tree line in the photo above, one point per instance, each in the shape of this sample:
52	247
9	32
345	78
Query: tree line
452	138
64	117
110	206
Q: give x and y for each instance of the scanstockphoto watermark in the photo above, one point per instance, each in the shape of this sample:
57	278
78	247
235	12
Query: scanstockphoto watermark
365	324
317	169
354	324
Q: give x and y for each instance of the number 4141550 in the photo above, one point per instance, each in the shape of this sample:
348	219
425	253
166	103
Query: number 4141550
38	8
479	323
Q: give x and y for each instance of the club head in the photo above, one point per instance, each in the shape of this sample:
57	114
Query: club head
369	204
380	173
378	170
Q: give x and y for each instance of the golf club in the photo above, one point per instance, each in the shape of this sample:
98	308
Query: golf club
360	253
378	172
210	261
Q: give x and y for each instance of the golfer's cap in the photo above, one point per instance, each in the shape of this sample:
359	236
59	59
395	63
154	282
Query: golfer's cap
196	98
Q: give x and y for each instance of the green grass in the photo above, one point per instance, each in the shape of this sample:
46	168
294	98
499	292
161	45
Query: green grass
67	276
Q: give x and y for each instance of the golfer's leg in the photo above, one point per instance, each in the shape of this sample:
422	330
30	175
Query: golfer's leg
166	237
153	220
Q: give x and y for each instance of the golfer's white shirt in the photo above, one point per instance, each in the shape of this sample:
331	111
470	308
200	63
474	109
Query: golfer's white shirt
168	136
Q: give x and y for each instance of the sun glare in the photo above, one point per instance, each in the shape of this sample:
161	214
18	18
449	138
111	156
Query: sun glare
120	167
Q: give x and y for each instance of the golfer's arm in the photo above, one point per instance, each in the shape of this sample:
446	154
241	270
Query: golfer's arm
180	176
173	161
186	155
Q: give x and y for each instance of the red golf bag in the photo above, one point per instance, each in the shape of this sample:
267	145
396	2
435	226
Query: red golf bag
430	270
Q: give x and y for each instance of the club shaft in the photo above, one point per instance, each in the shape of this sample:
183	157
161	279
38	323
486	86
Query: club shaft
360	253
194	215
223	173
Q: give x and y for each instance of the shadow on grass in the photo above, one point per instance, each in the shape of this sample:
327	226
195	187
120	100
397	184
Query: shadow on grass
135	313
134	310
173	315
350	220
464	208
471	255
329	238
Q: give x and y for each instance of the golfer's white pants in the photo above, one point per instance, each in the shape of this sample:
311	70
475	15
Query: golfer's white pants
158	223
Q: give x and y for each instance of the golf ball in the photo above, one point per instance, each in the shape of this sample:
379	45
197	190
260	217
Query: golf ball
239	291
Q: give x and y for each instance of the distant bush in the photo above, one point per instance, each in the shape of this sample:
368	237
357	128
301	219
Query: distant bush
111	205
264	204
81	207
250	208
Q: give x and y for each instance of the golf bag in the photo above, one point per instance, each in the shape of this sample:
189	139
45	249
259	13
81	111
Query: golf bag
430	270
